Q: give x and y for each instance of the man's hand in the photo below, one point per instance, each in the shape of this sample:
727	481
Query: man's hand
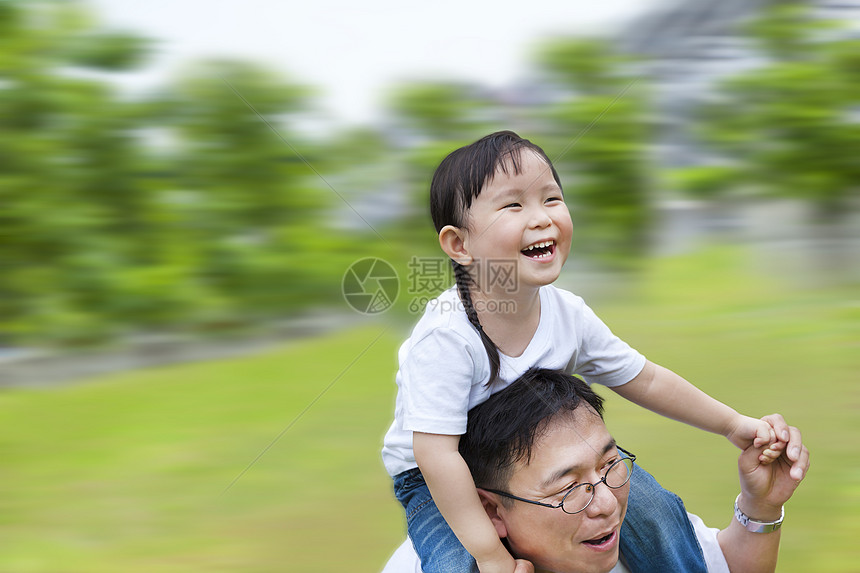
789	442
524	566
767	485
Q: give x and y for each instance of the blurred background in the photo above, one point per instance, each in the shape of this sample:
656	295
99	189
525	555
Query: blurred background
192	195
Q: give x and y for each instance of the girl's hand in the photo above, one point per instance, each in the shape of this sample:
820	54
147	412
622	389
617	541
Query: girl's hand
745	432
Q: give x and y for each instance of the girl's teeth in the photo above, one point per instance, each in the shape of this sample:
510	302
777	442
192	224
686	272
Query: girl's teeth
545	244
540	245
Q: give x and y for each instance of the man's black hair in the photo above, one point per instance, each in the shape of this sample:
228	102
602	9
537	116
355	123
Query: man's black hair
501	431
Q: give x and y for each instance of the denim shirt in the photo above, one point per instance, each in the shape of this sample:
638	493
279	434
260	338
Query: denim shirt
656	535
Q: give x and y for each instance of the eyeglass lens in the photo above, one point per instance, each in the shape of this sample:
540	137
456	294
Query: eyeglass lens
580	496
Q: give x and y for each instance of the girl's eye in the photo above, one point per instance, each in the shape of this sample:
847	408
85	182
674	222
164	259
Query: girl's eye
512	205
554	199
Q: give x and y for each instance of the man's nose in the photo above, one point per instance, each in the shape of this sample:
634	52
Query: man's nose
605	500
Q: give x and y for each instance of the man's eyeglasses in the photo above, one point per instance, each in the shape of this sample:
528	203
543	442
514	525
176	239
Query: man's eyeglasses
579	496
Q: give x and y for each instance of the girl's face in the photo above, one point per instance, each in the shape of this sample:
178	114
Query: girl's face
520	219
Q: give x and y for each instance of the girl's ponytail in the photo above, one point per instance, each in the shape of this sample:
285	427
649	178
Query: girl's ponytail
464	281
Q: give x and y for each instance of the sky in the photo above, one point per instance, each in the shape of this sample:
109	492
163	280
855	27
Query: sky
354	51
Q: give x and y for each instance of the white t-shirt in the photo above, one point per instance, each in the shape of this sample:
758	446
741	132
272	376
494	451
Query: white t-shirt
444	367
405	560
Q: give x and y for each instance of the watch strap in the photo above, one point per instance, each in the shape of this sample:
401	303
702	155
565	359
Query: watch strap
757	526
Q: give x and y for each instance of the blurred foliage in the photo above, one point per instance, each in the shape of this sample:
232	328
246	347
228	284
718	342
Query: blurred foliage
209	205
191	209
433	119
114	51
73	214
789	128
243	205
599	143
441	110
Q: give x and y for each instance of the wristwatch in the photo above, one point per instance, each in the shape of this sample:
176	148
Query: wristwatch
757	526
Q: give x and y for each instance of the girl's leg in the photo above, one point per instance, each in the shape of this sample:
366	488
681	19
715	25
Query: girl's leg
436	545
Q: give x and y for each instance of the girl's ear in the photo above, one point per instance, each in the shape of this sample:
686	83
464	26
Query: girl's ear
492	505
453	241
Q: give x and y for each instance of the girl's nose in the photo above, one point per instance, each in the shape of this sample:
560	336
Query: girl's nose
540	219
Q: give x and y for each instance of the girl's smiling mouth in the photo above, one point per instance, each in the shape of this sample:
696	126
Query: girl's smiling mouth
540	250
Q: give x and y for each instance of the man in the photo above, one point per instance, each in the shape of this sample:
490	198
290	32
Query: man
555	485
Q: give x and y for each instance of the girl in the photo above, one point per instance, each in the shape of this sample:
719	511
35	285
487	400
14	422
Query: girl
498	207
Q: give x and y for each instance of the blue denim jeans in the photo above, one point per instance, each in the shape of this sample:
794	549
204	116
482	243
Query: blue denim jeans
436	545
657	534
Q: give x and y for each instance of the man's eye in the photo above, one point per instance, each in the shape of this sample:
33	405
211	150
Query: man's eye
564	491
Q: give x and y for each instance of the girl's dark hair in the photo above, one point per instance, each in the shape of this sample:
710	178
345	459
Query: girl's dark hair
456	183
503	430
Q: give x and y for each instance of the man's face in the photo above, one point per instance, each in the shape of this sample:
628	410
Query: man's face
576	448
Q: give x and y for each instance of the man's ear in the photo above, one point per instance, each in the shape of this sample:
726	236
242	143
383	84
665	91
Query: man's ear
453	241
493	506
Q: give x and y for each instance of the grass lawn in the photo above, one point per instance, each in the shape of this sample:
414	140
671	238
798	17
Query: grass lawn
271	462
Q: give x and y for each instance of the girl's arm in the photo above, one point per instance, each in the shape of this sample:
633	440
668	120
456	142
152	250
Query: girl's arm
453	490
664	392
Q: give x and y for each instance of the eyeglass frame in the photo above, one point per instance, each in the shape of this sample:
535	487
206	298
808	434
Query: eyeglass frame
630	456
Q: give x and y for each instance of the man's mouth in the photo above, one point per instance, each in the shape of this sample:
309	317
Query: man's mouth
540	250
601	542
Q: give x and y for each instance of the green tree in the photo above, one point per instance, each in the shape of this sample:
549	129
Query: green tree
433	118
598	136
250	200
789	128
200	206
72	214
